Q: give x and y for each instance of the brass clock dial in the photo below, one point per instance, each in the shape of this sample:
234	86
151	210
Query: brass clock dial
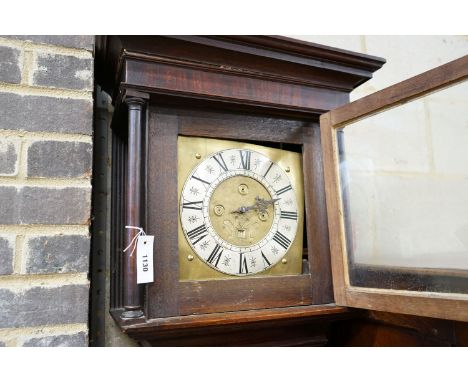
235	212
239	211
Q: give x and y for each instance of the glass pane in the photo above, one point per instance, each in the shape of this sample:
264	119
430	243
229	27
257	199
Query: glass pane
404	175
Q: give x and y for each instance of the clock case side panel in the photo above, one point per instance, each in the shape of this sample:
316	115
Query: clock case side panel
162	213
119	160
167	296
317	218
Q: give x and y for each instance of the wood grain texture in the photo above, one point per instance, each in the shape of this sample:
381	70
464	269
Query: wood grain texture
119	155
289	334
334	208
232	88
281	59
167	296
367	333
316	212
426	326
133	199
241	127
402	92
355	60
460	330
232	319
388	329
443	306
162	210
245	88
213	296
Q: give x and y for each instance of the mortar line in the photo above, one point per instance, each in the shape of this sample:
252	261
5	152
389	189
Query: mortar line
11	342
46	48
18	263
23	161
56	183
43	229
24	256
44	330
28	60
18	143
34	69
23	282
33	136
62	93
22	65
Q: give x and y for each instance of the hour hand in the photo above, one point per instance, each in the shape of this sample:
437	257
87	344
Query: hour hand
242	210
260	204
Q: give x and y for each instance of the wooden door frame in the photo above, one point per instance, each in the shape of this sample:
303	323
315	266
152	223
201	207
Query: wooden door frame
438	305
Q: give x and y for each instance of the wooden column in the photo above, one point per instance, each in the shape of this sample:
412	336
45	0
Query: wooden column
133	204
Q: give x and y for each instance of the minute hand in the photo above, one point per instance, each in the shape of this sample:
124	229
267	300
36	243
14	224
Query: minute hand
260	204
263	204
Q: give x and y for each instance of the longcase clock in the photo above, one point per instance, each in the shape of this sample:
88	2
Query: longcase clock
217	152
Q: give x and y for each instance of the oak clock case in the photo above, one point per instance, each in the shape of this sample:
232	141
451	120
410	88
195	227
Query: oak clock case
221	94
240	210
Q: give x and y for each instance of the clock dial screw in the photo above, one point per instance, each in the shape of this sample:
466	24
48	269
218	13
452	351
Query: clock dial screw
287	169
219	210
284	261
243	189
198	155
190	257
263	216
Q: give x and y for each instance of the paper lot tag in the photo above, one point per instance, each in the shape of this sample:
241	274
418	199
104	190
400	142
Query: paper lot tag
144	259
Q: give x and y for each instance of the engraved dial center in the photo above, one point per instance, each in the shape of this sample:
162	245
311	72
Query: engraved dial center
240	228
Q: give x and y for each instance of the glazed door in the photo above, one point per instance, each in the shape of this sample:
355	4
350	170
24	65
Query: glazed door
396	172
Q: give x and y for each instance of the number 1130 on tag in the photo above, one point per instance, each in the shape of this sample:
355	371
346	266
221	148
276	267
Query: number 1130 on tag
144	259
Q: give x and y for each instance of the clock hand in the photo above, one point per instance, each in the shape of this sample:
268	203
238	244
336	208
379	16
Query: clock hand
264	203
243	209
260	204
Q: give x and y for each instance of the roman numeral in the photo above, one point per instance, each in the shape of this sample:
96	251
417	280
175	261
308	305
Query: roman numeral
193	205
281	240
215	255
245	159
271	165
243	264
288	215
201	180
265	260
283	190
196	234
220	161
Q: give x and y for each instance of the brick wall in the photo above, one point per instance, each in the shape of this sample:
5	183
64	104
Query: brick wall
46	108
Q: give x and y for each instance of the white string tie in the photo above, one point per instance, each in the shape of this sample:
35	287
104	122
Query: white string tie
134	241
